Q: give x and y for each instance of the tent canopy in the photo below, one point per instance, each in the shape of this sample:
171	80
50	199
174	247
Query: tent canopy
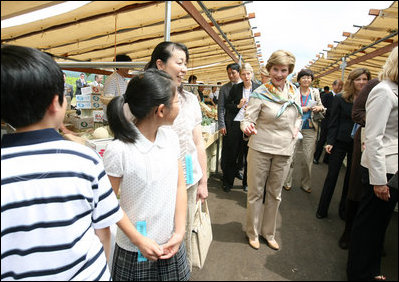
99	30
369	48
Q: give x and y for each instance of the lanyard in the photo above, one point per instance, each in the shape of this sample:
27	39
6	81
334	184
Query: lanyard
306	100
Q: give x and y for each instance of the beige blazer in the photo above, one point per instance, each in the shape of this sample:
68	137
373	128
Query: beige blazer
381	132
274	136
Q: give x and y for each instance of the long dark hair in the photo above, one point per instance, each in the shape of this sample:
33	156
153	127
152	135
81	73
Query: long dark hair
163	51
144	92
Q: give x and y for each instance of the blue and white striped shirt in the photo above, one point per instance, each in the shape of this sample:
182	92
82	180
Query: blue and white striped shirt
54	194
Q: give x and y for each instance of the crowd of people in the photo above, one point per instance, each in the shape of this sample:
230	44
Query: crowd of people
59	198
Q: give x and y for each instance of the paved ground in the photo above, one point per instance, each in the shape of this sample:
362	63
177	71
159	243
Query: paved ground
308	246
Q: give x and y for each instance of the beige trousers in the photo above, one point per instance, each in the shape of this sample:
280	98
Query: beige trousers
307	145
270	171
191	204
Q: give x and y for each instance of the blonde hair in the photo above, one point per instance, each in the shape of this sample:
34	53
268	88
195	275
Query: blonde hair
349	86
247	67
263	71
281	57
390	68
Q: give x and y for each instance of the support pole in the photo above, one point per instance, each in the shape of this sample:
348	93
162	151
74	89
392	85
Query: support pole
343	66
168	6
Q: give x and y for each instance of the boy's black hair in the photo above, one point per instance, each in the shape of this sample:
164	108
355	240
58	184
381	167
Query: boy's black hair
122	58
233	66
29	81
191	78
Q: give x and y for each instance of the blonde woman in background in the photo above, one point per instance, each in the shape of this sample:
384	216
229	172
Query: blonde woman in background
264	75
379	163
272	120
311	104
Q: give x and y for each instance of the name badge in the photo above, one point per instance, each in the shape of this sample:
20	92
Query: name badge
189	170
141	227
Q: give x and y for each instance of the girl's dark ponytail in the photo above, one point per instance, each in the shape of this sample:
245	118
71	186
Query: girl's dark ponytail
119	125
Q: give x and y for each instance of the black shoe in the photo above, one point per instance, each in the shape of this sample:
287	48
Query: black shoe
239	176
341	215
226	188
245	188
344	241
344	244
315	161
319	216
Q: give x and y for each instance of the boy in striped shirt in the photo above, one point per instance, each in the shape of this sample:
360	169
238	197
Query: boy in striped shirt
56	200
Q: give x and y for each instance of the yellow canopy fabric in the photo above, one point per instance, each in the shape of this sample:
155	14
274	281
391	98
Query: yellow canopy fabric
368	47
97	31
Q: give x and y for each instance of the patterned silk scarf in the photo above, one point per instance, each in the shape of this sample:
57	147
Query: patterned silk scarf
269	92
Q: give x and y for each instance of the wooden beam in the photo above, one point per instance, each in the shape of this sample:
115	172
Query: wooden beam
378	52
87	19
359	36
191	10
374	12
387	14
89	70
94	70
112	45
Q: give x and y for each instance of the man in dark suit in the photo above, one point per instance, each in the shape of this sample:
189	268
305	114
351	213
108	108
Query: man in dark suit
233	72
326	99
80	82
233	141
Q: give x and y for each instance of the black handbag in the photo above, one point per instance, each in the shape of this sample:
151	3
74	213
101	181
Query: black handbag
318	117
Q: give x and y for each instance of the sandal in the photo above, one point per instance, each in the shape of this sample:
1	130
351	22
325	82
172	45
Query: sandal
379	278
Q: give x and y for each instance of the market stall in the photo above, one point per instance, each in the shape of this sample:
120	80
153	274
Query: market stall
211	136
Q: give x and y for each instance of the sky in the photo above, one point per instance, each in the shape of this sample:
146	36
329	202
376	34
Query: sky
305	28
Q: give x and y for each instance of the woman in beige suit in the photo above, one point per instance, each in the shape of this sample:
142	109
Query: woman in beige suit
272	120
